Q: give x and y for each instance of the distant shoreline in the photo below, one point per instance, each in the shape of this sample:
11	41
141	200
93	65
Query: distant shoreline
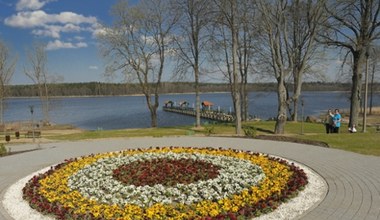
127	95
131	89
174	93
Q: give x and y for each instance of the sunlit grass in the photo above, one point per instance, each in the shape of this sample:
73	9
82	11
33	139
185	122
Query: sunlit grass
363	143
144	132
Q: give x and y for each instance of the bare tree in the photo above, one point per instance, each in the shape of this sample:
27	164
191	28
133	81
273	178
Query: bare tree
275	41
222	53
137	45
353	25
288	32
227	25
7	68
246	40
304	24
192	41
38	73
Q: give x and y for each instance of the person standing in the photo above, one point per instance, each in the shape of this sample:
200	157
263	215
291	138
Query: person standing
328	120
336	121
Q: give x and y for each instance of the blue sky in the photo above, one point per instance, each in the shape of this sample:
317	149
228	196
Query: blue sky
68	27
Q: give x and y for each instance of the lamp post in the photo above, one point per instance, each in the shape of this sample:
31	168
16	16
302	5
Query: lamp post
31	112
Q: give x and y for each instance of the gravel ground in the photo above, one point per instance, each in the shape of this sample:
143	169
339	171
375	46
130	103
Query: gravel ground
314	192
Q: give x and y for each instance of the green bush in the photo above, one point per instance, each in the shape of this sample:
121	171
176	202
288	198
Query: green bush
250	131
3	150
210	130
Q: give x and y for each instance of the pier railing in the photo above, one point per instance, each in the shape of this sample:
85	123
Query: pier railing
207	114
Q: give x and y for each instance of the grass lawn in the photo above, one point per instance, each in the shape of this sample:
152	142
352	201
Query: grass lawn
364	143
152	132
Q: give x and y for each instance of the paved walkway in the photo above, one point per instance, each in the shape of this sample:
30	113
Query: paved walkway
353	179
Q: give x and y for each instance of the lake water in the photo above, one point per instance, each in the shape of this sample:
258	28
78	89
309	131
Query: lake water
119	112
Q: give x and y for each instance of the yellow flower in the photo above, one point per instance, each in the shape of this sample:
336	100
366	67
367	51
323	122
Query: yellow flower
54	188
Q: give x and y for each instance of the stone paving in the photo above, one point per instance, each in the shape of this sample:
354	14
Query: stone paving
353	179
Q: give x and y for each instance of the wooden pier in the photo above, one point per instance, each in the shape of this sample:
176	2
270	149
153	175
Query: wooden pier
207	114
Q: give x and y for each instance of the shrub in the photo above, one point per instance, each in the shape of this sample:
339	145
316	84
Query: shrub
210	130
250	131
3	150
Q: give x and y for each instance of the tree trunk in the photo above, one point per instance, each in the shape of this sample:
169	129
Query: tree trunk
298	73
152	110
235	82
46	104
153	116
295	98
1	110
244	100
237	113
356	88
282	108
295	109
197	98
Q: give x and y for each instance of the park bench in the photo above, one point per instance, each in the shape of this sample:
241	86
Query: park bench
29	134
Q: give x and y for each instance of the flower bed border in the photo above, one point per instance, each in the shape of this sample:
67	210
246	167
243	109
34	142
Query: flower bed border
294	184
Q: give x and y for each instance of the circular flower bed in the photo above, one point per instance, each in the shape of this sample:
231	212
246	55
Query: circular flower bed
165	183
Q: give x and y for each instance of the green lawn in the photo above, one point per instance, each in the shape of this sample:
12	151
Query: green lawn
152	132
363	143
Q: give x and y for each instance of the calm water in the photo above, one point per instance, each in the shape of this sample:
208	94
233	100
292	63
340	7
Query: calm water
131	112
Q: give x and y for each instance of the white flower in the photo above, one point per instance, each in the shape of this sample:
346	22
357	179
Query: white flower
234	176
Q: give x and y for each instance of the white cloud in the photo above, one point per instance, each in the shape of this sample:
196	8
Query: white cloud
99	30
46	33
81	44
54	31
57	44
70	17
27	19
52	25
93	67
31	19
70	28
31	4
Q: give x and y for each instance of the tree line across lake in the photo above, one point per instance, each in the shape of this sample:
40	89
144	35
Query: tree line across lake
114	89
